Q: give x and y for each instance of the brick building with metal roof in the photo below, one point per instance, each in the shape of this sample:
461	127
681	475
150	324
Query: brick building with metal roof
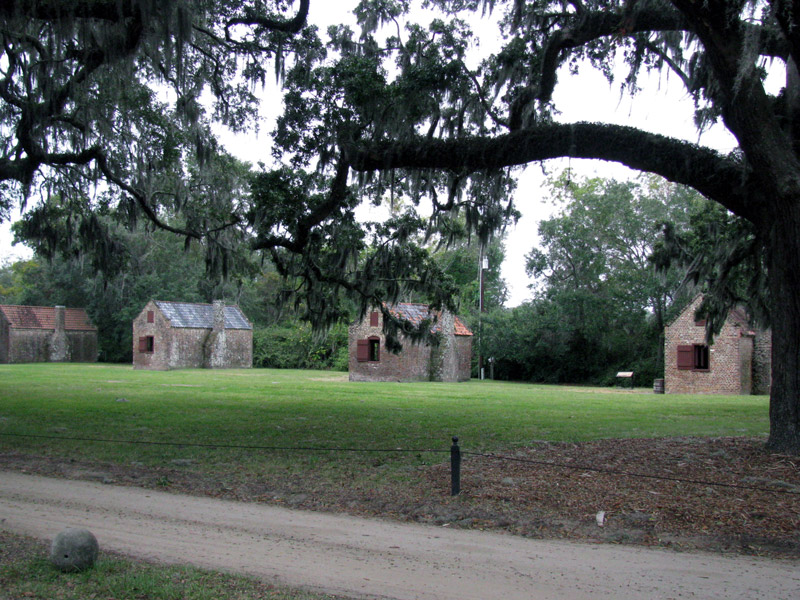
46	334
180	335
450	360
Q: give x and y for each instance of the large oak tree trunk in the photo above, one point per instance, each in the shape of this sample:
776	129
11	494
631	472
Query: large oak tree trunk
784	274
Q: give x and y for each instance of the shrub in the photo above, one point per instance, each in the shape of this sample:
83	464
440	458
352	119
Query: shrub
293	345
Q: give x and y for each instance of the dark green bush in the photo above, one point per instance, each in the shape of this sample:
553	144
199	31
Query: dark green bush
293	345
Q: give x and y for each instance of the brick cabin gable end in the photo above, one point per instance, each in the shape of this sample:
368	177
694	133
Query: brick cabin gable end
737	362
736	314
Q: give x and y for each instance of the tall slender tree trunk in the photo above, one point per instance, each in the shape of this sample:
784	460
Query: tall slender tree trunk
784	274
658	311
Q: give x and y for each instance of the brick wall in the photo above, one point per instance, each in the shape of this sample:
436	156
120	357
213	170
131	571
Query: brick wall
160	330
28	345
443	355
412	364
185	347
4	335
34	345
746	362
450	361
229	349
82	346
59	350
730	357
463	357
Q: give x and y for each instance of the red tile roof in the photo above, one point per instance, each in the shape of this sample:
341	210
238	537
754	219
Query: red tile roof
44	317
461	329
415	313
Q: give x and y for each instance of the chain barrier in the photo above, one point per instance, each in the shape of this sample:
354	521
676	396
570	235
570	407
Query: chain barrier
456	456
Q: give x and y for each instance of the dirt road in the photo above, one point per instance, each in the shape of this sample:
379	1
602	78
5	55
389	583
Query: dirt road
367	557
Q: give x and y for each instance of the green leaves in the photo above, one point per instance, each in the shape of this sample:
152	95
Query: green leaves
721	255
113	102
599	301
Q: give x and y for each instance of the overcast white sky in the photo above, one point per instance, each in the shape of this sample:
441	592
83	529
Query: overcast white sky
662	108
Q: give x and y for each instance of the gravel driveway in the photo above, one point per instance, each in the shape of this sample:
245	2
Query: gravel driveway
370	557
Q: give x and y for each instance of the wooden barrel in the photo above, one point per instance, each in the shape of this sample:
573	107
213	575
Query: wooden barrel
658	386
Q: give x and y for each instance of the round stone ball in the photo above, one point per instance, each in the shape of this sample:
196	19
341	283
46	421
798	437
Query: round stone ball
74	550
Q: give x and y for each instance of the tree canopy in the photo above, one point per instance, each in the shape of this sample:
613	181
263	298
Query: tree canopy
110	103
110	91
481	122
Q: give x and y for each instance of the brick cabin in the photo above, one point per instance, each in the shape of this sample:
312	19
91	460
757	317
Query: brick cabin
737	363
449	361
46	334
180	335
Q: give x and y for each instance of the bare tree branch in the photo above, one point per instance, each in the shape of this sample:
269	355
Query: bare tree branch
590	26
293	25
711	173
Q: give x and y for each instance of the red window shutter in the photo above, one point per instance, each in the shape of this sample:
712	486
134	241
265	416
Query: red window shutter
373	319
143	344
150	316
700	323
685	357
362	351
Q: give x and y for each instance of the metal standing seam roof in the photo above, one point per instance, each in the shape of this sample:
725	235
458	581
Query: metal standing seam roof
415	313
201	316
44	317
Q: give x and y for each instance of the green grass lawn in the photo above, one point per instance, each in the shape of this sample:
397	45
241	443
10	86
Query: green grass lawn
283	408
312	409
26	572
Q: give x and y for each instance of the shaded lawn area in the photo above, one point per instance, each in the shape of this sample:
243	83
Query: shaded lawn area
263	408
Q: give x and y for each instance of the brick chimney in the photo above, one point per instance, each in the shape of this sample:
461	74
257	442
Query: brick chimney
443	356
219	315
215	348
59	344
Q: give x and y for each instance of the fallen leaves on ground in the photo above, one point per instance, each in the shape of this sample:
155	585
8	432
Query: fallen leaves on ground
718	494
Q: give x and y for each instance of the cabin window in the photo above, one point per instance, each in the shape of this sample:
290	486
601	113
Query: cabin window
368	350
701	358
151	317
695	357
374	350
146	344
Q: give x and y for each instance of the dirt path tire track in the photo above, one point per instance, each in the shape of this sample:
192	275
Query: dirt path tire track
369	557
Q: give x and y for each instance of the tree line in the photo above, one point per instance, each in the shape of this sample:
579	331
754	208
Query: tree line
599	299
155	265
607	277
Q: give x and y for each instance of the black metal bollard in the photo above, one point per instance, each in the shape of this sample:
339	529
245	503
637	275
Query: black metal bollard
455	468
